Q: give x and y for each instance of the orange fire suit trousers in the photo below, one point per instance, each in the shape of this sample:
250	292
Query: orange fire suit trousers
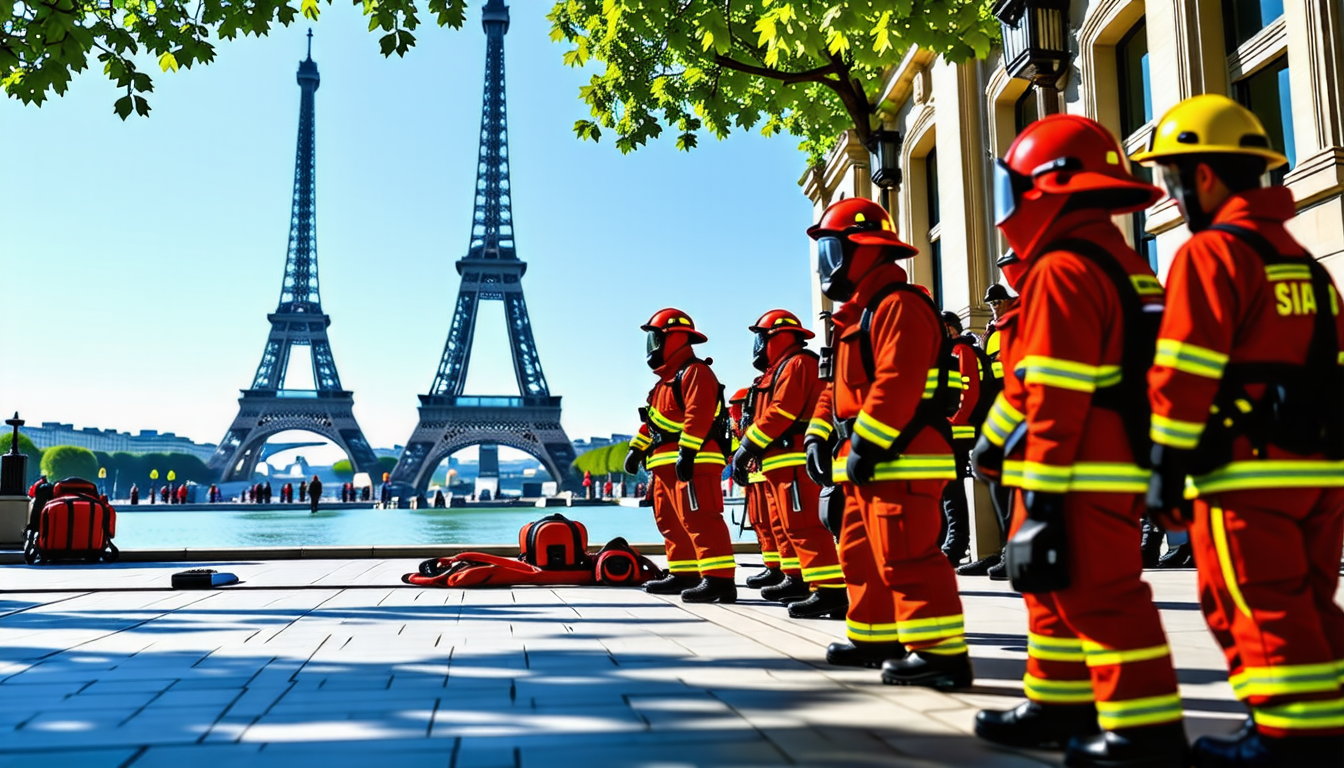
1268	565
814	555
901	587
775	549
1101	639
703	528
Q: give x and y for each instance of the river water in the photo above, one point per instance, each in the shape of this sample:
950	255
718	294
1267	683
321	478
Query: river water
293	526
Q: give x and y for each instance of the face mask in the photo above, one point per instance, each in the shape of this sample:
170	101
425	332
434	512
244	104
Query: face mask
1181	185
760	357
653	349
832	269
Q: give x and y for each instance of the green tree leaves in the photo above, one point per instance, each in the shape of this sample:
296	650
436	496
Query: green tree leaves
809	68
44	43
62	461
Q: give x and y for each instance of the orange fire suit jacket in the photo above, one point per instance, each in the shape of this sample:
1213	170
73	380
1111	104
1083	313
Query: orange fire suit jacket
690	425
906	337
1228	307
786	396
1067	346
966	380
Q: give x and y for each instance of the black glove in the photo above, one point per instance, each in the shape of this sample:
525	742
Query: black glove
1038	553
831	509
633	459
746	453
862	462
686	464
1166	500
818	460
987	461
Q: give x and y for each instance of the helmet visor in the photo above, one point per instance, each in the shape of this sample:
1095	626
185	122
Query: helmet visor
830	256
654	342
1008	186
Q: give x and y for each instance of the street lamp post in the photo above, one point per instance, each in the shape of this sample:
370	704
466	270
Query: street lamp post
154	485
884	158
171	477
102	475
1036	45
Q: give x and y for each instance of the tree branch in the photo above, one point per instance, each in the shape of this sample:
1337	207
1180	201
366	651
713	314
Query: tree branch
815	75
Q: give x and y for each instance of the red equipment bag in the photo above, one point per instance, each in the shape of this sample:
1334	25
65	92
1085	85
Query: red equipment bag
74	525
619	565
475	569
555	543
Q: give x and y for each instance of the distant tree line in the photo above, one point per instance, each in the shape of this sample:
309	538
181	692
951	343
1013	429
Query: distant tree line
345	470
608	460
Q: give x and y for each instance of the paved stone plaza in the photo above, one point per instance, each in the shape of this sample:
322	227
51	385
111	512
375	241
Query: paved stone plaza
337	663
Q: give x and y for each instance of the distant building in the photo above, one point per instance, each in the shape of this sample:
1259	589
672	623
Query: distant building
581	446
394	452
53	433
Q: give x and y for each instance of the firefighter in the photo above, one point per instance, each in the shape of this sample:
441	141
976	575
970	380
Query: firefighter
754	503
965	371
1097	657
1248	422
785	395
895	454
682	441
1001	304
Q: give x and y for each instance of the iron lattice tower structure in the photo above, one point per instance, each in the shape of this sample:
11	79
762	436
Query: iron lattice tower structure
268	407
491	271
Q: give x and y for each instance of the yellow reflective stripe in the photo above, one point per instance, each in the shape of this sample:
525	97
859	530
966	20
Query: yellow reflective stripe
1341	358
1267	473
1146	285
1099	655
662	422
1094	476
640	442
963	432
790	563
1302	715
786	414
683	566
758	437
997	367
770	558
783	461
1054	648
710	457
956	382
1067	374
870	633
1225	565
1285	680
1058	691
1175	433
1002	419
1190	358
661	459
1132	713
688	440
953	646
755	477
820	428
931	382
932	628
714	563
929	467
823	573
1279	272
874	431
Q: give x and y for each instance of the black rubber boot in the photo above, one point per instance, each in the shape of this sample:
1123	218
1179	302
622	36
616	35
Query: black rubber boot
1181	556
1150	543
766	578
929	670
998	572
827	602
712	589
980	567
672	584
1153	746
869	655
1249	749
956	522
1032	725
790	590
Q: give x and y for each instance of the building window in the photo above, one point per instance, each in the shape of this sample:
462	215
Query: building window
1025	111
1144	241
1266	93
1243	18
935	218
1136	99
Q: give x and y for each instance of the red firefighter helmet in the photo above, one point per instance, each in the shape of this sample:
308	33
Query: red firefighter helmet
778	321
862	222
672	320
1053	160
740	396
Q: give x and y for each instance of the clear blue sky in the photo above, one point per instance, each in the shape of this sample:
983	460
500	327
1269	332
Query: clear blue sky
138	260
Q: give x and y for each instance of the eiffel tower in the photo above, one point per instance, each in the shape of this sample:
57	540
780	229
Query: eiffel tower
268	407
491	271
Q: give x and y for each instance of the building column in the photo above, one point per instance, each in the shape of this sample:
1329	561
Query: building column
1316	80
